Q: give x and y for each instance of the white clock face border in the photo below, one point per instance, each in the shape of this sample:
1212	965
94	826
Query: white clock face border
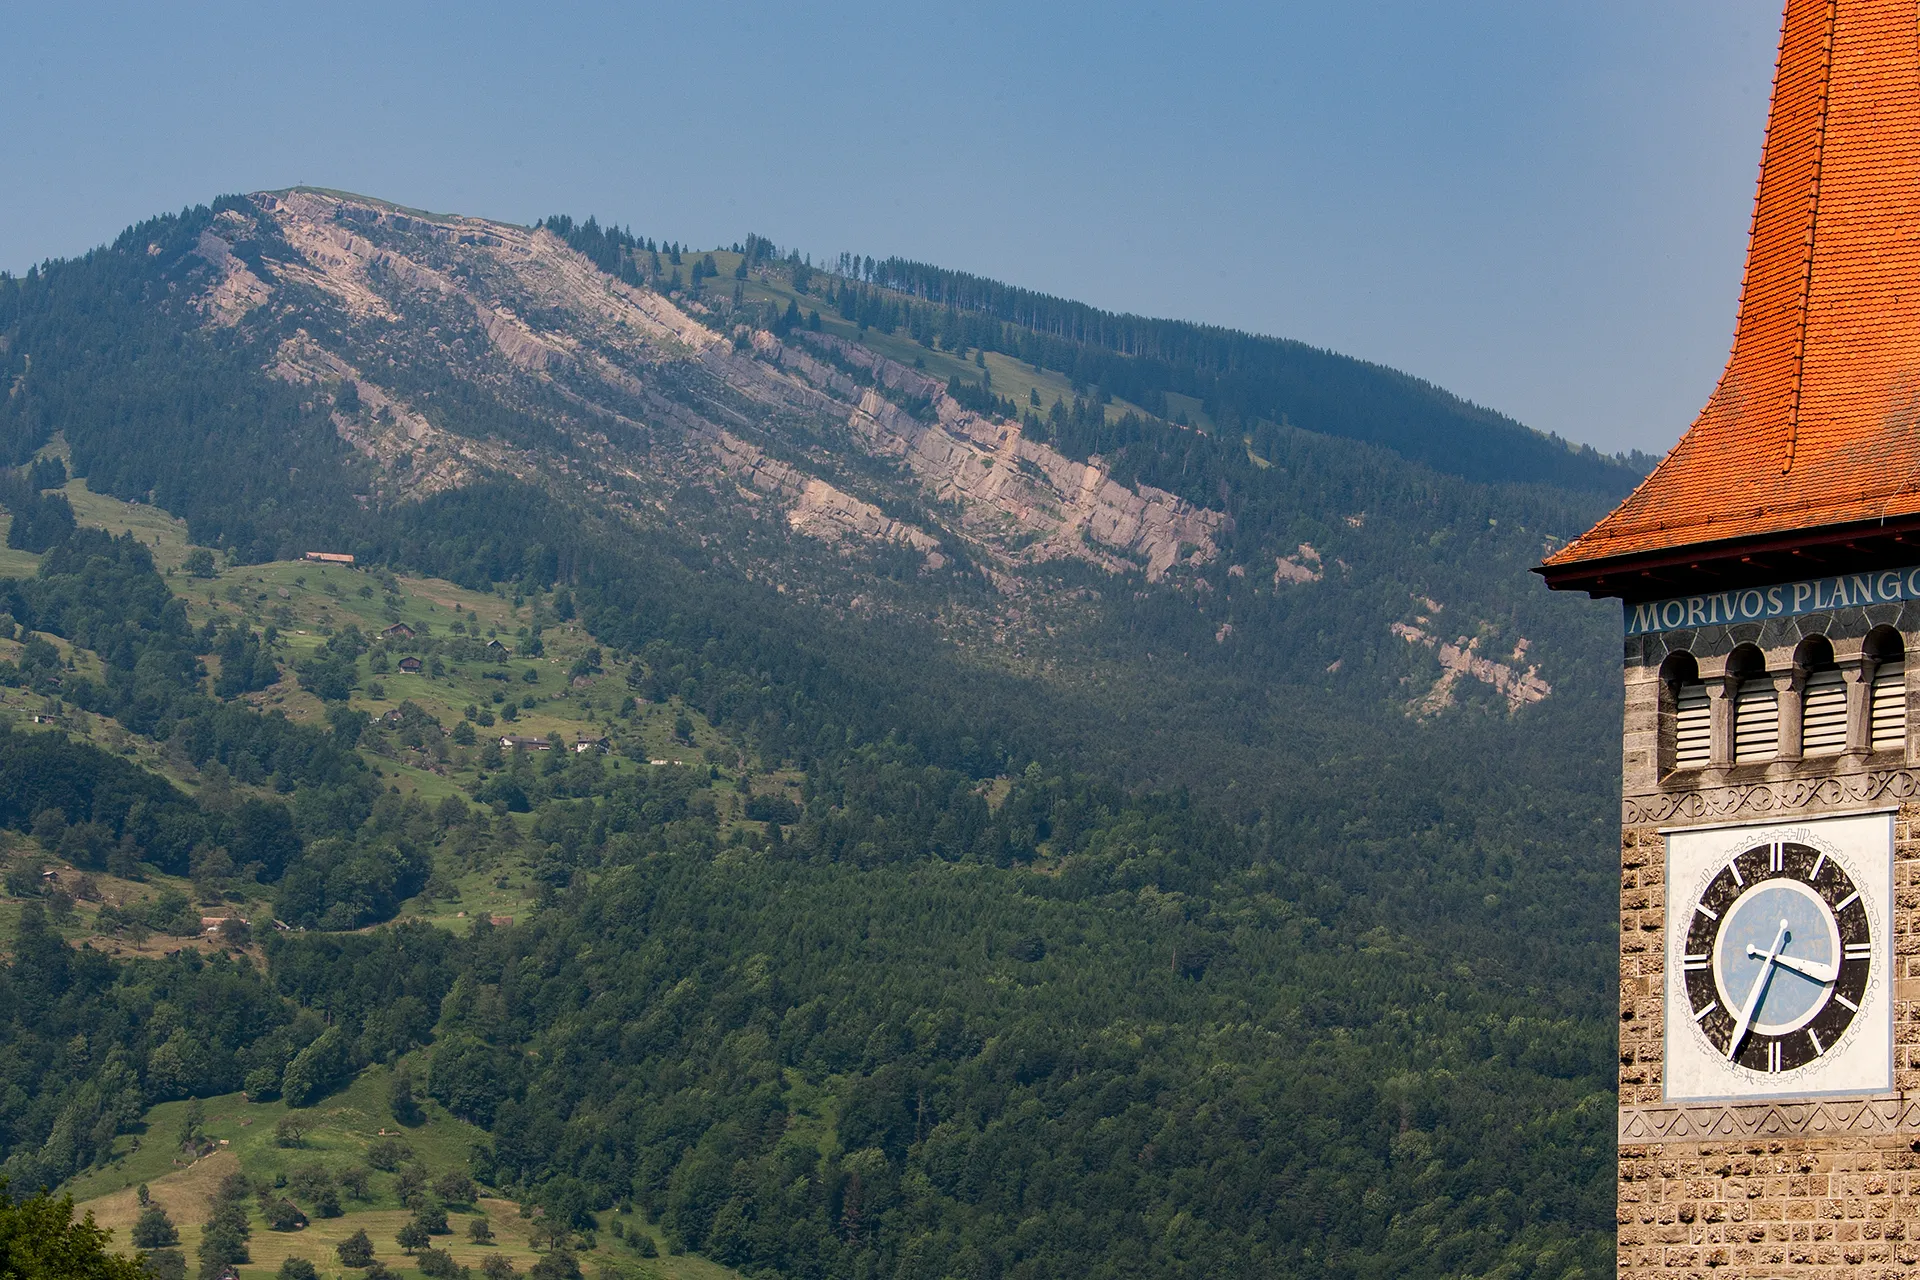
1779	959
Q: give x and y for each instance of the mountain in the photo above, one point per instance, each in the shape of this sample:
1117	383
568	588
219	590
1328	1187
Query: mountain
1146	820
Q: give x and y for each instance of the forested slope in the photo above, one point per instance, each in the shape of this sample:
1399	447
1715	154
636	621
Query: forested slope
1183	914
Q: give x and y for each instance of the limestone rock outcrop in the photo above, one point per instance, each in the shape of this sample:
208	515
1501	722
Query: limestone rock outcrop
630	384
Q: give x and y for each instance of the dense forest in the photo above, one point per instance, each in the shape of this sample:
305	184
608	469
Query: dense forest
1150	953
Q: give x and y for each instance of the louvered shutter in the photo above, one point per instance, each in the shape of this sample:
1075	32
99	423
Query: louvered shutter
1693	727
1890	706
1823	716
1756	722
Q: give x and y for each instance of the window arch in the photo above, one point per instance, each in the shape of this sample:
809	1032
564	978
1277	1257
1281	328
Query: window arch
1756	707
1887	690
1823	699
1685	695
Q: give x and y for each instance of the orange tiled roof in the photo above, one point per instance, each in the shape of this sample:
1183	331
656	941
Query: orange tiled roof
1816	420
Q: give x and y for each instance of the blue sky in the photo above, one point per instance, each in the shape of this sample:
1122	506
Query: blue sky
1541	206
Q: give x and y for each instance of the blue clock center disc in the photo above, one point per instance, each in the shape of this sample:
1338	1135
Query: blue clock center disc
1790	998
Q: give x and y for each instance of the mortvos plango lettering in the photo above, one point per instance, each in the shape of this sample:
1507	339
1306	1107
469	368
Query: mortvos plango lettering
1783	600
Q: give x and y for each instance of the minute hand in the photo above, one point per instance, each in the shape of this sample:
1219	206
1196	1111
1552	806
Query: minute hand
1805	968
1759	989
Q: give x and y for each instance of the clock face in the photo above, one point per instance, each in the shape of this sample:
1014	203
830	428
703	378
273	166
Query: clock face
1779	955
1778	962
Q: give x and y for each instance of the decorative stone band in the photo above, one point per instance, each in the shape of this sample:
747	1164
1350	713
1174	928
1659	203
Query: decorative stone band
1733	1122
1717	804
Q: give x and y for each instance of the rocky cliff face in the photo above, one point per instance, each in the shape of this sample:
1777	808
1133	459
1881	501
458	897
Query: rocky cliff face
642	388
453	350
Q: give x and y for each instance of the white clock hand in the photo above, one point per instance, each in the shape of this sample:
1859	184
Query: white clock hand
1805	968
1753	996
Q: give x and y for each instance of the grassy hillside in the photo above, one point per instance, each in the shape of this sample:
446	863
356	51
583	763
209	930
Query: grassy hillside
338	1136
307	602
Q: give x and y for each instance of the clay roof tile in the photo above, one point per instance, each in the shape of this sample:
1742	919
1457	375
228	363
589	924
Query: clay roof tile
1816	420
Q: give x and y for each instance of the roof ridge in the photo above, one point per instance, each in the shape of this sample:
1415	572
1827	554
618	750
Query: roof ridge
1813	233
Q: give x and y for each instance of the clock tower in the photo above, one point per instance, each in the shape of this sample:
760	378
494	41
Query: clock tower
1769	572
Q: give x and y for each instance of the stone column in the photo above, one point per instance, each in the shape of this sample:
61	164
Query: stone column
1720	695
1789	688
1912	695
1859	706
1647	744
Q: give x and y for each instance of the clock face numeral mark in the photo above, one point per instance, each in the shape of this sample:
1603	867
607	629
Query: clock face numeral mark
1773	1056
1775	858
1711	1006
1817	1050
1701	907
1698	962
1818	863
1843	1000
1847	902
1734	867
1859	951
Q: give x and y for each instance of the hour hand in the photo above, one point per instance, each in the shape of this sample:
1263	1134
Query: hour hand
1759	988
1805	968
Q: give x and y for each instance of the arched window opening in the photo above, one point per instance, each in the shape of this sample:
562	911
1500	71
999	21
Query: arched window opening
1823	700
1887	694
1692	712
1756	707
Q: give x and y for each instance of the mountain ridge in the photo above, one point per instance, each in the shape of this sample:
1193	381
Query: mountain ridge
1135	334
635	401
1131	334
864	609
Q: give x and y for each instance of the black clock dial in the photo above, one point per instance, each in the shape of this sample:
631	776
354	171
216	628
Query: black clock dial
1777	958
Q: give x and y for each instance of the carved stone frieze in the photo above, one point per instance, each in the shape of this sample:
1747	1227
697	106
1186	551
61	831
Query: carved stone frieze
1786	795
1819	1118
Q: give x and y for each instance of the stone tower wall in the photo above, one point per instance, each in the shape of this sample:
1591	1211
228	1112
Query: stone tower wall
1825	1186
